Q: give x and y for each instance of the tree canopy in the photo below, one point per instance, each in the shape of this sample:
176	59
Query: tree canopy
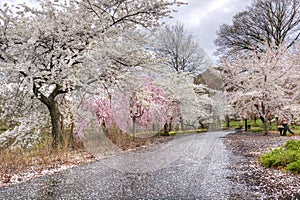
181	50
263	84
264	24
58	47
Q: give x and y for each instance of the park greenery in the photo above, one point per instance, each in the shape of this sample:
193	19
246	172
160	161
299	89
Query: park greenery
286	157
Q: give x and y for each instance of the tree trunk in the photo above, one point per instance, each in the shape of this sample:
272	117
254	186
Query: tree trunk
181	124
55	115
246	124
170	125
265	130
227	121
166	130
201	125
56	122
71	137
105	129
264	121
133	126
277	121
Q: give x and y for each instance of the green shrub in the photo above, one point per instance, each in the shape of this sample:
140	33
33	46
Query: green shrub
274	158
287	157
293	145
294	167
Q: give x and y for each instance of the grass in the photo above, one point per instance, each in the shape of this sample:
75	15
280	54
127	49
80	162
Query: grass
256	126
187	131
171	133
35	160
38	158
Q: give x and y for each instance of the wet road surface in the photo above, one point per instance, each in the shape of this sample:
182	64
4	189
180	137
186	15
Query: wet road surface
189	167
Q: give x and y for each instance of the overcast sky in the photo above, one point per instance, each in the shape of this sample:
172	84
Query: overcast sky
202	18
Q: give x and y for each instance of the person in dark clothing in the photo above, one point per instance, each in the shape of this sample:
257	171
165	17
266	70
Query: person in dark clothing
280	129
285	123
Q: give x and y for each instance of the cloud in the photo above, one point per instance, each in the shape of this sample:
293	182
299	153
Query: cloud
16	2
203	18
10	2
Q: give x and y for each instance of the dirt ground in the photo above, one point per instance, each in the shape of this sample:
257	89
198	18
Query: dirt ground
250	179
68	159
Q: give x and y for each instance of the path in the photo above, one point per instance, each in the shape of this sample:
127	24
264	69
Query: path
189	167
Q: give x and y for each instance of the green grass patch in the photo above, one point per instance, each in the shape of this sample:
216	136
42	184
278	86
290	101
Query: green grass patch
286	157
257	126
187	131
256	129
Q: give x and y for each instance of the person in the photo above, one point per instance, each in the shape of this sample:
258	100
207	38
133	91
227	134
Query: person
285	123
280	129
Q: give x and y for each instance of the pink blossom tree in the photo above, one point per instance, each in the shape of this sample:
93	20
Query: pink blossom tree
147	107
104	113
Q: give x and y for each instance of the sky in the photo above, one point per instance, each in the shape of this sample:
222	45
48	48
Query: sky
202	18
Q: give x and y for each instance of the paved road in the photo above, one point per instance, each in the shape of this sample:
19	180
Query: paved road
188	167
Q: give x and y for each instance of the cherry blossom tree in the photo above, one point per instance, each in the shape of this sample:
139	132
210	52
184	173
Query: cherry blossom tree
215	102
158	99
192	98
52	50
136	105
262	82
183	59
144	105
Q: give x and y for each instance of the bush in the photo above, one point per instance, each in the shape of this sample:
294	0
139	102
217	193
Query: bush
276	158
294	167
293	145
287	157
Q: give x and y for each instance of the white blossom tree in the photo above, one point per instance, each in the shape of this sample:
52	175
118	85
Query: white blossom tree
191	98
264	83
216	104
181	50
183	59
59	47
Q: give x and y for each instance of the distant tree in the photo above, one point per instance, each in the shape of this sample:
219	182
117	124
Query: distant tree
264	24
181	50
192	98
216	103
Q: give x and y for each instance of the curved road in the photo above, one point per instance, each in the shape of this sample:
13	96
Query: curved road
189	167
